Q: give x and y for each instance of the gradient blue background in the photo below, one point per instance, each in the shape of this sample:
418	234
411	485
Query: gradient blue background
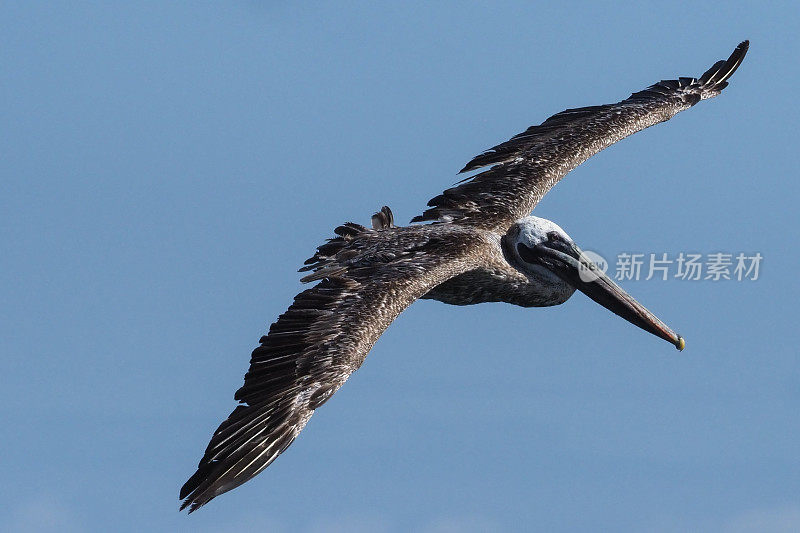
167	167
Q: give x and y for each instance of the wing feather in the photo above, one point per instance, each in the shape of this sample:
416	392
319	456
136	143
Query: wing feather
366	278
525	167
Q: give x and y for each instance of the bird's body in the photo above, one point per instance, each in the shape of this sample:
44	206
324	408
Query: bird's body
496	280
479	247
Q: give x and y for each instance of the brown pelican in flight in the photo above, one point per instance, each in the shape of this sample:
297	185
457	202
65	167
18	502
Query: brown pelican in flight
479	245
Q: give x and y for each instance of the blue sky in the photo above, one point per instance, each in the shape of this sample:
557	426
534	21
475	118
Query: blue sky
167	167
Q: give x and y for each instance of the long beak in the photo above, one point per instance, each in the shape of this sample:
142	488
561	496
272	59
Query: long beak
569	263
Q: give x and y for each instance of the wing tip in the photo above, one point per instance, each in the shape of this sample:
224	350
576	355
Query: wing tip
207	487
188	493
193	504
715	79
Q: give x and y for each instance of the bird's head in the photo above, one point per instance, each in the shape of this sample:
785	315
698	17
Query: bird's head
549	257
530	232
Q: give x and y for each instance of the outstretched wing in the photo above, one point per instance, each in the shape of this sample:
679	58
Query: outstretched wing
367	277
529	164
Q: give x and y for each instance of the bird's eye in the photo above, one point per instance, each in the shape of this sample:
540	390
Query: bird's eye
554	236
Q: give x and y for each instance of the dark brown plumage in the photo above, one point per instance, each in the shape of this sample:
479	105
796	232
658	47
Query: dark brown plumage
367	276
529	164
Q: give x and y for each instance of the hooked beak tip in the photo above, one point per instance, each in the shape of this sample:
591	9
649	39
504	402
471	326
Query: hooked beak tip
680	344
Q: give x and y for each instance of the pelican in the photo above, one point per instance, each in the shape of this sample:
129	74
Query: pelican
477	244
